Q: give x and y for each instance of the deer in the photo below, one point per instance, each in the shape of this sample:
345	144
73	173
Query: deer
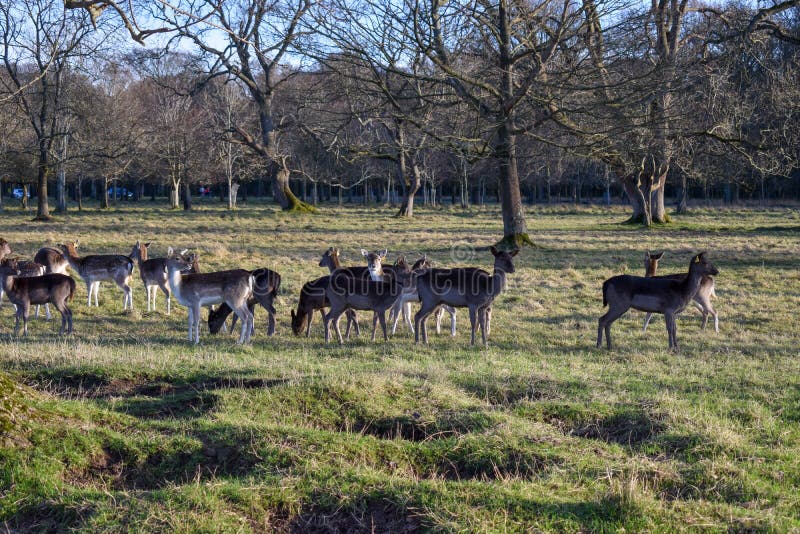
654	295
193	290
313	297
48	288
464	287
52	259
410	295
701	299
346	291
265	291
28	269
97	268
154	272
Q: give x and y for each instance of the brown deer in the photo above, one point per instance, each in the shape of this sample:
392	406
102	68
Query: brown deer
410	294
265	291
97	268
52	259
194	290
701	299
465	287
312	298
349	291
28	269
49	288
154	272
654	295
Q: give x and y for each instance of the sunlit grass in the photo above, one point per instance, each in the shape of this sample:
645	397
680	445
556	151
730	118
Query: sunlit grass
132	425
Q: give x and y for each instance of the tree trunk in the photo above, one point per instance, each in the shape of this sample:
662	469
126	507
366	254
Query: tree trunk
61	192
515	230
682	204
24	200
104	200
79	193
638	206
187	197
412	185
42	207
233	189
283	193
174	194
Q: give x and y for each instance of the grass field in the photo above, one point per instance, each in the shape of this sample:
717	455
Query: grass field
127	426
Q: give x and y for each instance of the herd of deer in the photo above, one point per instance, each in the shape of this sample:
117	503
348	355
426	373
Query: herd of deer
344	291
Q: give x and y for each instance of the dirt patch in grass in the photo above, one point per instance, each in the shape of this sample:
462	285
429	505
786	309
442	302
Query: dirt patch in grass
415	427
371	516
515	389
630	426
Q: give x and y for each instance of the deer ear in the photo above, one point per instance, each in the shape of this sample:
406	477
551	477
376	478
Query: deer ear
697	258
384	253
514	252
169	251
147	245
184	251
364	252
493	250
646	255
659	256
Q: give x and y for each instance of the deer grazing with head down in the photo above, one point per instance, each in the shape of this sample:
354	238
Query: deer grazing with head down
654	295
312	298
194	290
701	299
100	267
48	288
265	291
465	287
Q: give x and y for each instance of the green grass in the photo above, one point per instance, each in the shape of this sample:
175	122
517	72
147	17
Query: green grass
127	426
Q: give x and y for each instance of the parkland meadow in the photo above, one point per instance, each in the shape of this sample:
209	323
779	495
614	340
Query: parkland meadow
127	426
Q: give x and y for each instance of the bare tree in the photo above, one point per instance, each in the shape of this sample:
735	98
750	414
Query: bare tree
40	40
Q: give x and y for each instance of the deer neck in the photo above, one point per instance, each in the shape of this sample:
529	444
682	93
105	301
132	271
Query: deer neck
691	284
498	282
7	282
72	258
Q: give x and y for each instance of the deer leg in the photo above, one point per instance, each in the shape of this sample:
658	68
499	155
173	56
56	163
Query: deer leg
604	324
394	315
382	318
62	308
190	309
270	318
96	291
407	315
355	323
252	309
482	313
374	324
488	321
439	313
69	317
473	312
196	316
246	318
349	315
419	323
89	288
669	318
646	321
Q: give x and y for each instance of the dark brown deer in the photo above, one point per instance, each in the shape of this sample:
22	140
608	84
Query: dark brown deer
97	268
28	269
348	291
655	295
49	288
313	298
195	290
410	294
701	299
265	291
52	259
465	287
